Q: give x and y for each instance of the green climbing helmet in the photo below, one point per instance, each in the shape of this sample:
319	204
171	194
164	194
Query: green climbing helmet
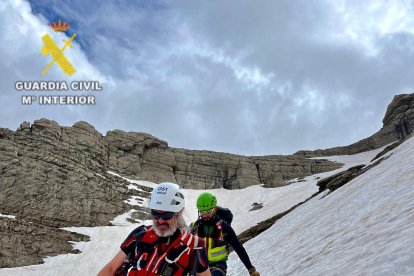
206	201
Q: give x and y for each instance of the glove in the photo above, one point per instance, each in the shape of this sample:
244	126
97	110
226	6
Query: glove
253	272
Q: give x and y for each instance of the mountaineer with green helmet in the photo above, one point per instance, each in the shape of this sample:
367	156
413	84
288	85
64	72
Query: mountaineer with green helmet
218	234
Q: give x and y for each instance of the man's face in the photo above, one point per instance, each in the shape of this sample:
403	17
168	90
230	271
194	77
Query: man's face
208	214
165	223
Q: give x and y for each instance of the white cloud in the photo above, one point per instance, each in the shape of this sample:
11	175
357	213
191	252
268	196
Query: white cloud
242	77
365	22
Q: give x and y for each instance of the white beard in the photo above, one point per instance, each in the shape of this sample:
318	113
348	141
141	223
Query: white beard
166	233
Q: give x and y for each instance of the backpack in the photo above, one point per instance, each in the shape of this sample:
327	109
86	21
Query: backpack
224	214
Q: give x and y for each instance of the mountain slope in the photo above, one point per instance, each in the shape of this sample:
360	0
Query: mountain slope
105	241
364	228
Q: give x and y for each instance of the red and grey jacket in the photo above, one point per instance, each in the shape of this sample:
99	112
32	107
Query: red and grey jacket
148	254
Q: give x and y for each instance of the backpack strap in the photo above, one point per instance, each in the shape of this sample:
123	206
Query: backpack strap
177	255
220	224
196	261
130	244
194	227
164	256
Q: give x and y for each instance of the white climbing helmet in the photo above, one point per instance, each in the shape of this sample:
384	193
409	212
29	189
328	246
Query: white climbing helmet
167	197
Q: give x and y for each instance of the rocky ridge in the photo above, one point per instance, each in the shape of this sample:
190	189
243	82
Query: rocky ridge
142	156
47	177
47	181
53	176
58	176
401	106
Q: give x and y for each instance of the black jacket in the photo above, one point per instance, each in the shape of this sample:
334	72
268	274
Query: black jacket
229	236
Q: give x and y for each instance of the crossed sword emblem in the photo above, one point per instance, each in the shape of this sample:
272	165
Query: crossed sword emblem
51	48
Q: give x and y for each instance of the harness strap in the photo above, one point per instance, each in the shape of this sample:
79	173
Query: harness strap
150	260
173	244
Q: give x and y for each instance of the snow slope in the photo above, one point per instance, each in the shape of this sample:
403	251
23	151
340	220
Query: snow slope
364	228
326	236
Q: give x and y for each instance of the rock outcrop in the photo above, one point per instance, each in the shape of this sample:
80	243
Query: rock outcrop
48	177
143	156
402	106
24	243
338	180
58	176
53	176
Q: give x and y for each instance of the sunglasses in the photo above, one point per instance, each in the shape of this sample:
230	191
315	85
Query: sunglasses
207	212
164	216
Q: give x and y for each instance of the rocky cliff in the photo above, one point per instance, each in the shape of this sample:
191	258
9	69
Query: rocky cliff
145	157
400	109
58	176
47	177
48	180
53	176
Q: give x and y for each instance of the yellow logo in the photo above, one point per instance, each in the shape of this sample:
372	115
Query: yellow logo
52	49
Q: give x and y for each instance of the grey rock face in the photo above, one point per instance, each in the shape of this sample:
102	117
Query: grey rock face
146	157
24	243
338	180
401	106
48	178
52	177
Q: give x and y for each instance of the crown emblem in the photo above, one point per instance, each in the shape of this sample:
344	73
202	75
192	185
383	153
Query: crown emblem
59	27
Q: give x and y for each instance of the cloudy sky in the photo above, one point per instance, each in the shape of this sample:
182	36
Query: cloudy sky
246	77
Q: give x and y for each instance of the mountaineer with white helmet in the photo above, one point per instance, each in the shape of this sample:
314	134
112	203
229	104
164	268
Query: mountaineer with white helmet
164	248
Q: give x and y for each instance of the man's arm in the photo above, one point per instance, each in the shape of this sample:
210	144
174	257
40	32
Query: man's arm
231	238
113	265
